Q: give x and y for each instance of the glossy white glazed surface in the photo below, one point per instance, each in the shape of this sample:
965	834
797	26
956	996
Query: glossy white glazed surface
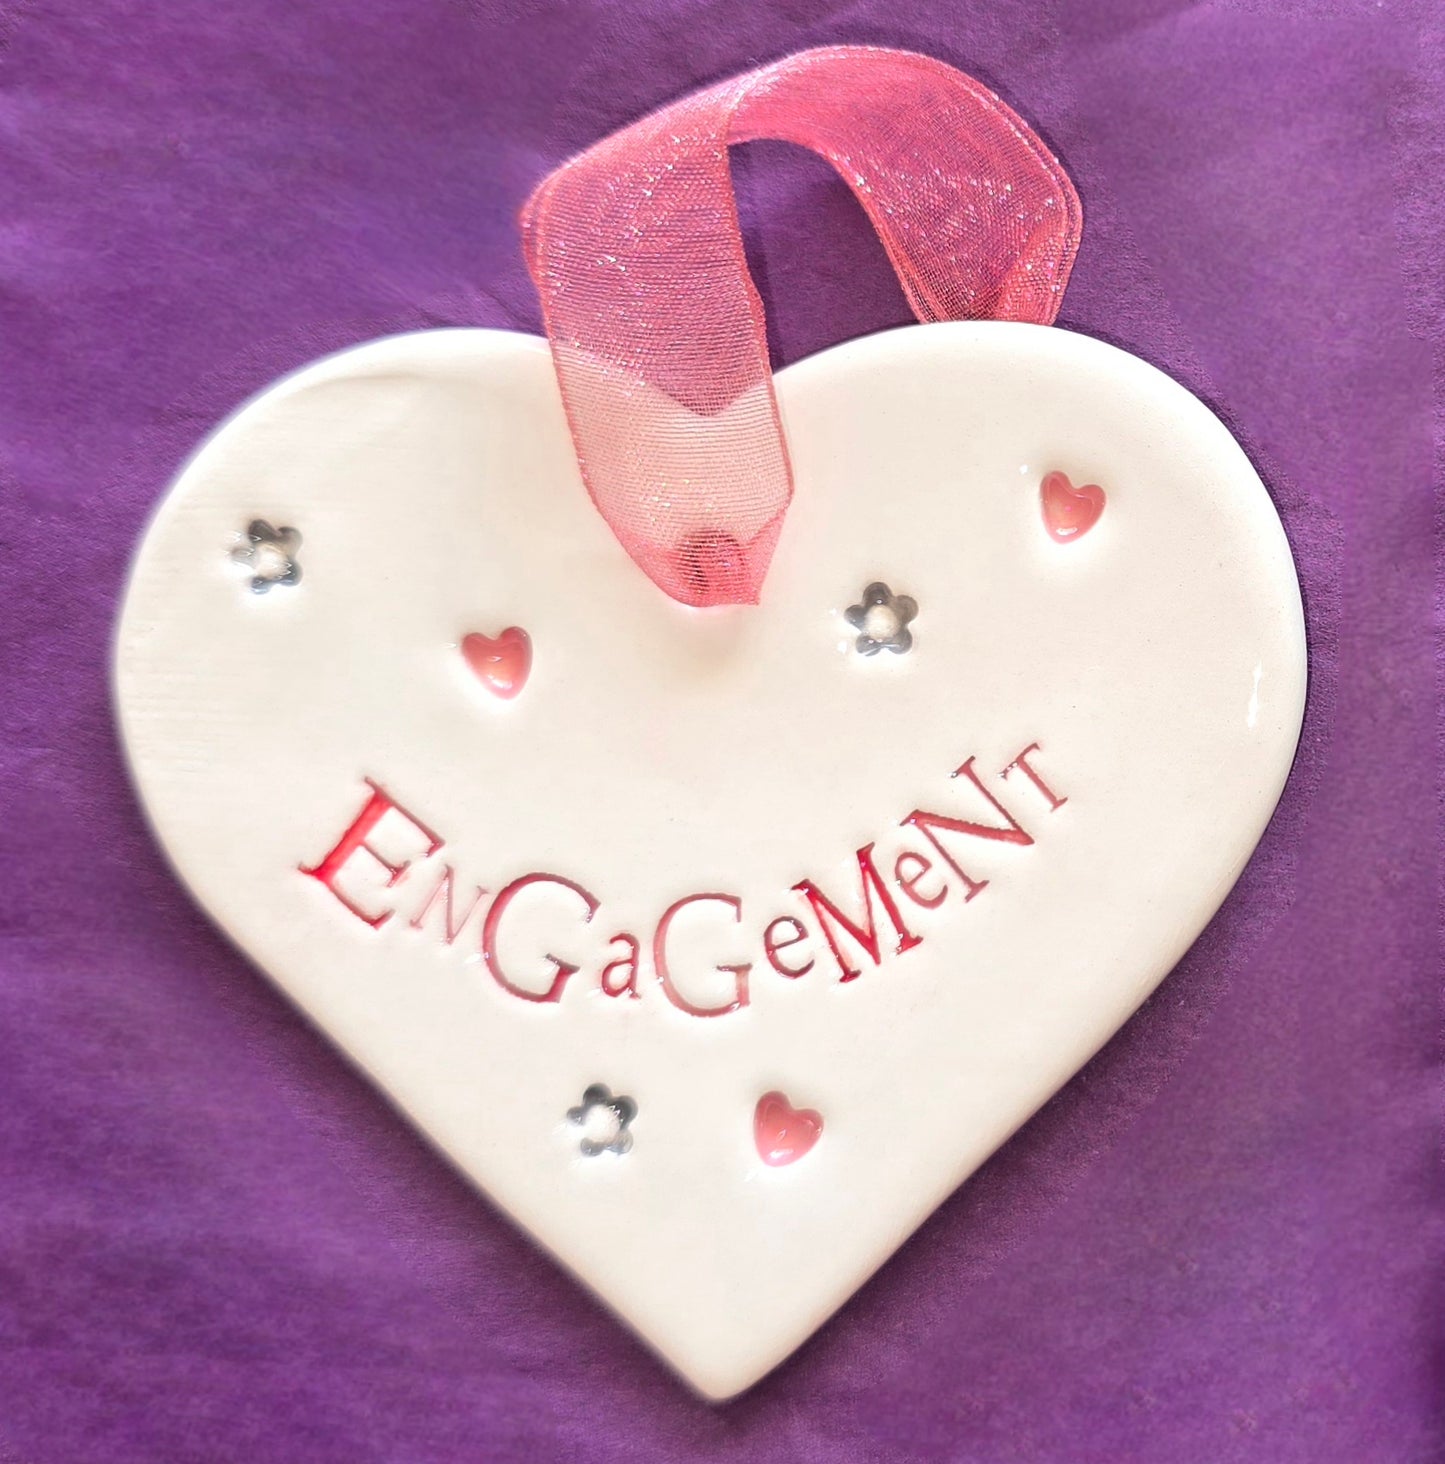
655	753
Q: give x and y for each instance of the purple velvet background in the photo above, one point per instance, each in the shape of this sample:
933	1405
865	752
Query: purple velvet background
216	1243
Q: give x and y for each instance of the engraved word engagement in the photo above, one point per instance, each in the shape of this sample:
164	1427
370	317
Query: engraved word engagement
384	870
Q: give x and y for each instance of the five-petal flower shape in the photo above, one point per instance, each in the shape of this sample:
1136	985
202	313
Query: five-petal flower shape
881	620
604	1120
270	555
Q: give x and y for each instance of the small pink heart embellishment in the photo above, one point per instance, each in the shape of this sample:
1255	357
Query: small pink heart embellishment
502	662
784	1133
1069	512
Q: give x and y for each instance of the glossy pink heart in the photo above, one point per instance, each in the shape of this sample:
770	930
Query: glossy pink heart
1069	512
784	1133
502	662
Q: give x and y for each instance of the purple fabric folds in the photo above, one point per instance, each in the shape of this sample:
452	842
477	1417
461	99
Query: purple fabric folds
1222	1242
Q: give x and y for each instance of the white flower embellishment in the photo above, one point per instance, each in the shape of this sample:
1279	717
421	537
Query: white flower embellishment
881	620
604	1121
270	555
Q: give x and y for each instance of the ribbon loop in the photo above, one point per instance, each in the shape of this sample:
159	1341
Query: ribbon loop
656	328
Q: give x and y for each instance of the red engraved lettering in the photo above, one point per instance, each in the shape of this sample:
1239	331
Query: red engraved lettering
562	971
354	840
628	963
739	973
909	872
864	935
443	892
1011	832
773	947
1022	762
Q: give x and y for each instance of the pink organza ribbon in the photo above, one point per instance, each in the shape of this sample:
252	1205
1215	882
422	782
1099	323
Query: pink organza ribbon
658	333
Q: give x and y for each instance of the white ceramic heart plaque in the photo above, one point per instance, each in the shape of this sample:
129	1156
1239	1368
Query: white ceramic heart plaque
718	946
